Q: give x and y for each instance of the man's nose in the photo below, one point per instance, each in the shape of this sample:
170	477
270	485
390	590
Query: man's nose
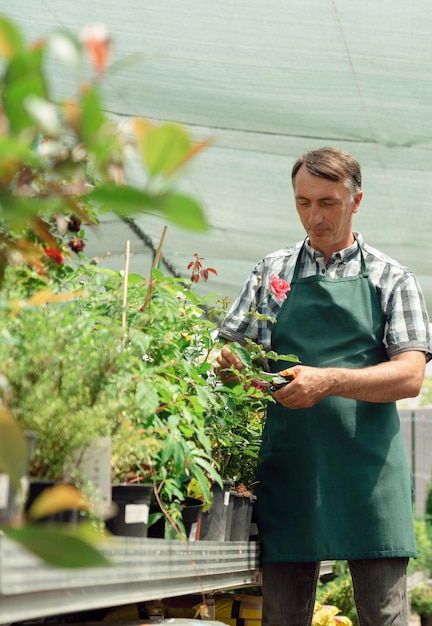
315	215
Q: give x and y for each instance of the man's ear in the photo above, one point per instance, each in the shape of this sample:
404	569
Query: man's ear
356	202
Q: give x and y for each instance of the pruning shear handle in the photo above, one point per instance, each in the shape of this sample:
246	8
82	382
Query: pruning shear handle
282	378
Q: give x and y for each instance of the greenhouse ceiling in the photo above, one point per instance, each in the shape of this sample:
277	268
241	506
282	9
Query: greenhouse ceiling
268	81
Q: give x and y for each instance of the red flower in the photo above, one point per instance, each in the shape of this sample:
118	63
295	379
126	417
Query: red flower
279	287
54	254
76	244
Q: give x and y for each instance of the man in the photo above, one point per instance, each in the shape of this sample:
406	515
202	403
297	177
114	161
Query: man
333	480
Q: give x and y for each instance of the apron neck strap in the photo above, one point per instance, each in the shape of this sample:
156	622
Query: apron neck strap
364	271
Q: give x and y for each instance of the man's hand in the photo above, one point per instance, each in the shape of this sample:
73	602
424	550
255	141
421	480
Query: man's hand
393	380
226	360
310	385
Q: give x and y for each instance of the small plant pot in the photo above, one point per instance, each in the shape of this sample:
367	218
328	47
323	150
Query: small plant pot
215	523
241	516
191	518
36	488
132	501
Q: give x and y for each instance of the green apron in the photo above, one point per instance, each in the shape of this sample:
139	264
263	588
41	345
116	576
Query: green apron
333	479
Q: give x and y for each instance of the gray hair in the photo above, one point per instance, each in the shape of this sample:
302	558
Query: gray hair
332	164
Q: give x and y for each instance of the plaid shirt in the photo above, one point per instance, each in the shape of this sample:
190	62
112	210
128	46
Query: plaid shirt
402	303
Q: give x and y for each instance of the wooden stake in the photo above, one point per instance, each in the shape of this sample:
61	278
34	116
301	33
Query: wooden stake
159	249
125	288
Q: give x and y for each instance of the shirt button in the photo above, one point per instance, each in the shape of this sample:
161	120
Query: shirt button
322	271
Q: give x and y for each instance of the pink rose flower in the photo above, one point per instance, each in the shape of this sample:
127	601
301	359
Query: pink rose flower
279	287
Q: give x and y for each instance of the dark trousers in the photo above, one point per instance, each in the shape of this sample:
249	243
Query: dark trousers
380	592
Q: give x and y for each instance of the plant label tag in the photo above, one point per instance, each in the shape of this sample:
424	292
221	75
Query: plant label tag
193	531
94	464
136	513
226	498
4	491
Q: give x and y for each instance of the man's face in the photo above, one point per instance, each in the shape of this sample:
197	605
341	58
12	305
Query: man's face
326	210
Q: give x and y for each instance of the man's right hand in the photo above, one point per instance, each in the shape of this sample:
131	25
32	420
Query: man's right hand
226	360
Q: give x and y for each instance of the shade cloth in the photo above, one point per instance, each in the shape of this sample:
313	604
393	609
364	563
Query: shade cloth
268	81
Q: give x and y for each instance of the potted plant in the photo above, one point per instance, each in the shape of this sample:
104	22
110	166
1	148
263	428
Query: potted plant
59	546
72	379
236	430
58	364
163	379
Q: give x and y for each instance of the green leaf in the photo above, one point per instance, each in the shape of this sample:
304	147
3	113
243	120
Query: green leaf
13	149
126	201
147	397
139	338
199	487
121	200
134	279
184	211
204	395
242	353
17	212
179	456
92	117
23	78
290	358
205	465
166	147
60	546
11	40
13	448
167	452
186	430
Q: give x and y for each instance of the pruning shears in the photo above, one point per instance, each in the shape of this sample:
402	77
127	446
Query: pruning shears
278	380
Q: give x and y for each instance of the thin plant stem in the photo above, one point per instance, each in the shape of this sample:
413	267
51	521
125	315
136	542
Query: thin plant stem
155	264
182	539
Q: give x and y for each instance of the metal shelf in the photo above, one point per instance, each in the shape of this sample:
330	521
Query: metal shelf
141	570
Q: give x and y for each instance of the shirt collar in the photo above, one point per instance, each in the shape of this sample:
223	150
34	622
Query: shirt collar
342	256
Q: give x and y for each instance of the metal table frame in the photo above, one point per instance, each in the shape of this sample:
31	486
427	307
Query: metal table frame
141	570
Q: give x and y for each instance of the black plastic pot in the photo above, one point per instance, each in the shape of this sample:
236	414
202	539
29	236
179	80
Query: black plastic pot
191	518
241	516
216	522
132	502
36	487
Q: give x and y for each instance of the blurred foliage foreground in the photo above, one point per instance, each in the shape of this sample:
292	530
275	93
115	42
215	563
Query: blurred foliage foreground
62	162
